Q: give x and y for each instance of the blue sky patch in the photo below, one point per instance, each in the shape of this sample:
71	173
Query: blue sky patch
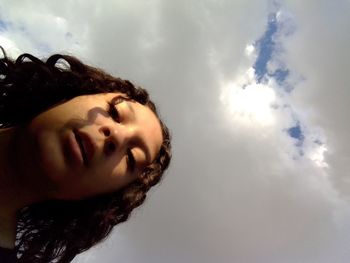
280	75
265	46
296	133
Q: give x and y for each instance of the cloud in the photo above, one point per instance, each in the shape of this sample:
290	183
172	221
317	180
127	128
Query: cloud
241	188
41	28
319	51
10	47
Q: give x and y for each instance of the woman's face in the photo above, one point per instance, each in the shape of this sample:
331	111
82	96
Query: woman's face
94	144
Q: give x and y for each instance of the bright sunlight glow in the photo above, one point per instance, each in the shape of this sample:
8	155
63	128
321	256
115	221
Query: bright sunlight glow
250	103
318	156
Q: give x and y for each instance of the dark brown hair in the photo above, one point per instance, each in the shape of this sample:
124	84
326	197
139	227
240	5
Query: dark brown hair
56	231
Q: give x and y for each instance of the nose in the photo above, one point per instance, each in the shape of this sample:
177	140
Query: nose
117	138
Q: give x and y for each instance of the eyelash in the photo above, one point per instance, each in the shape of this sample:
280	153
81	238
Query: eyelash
114	113
130	160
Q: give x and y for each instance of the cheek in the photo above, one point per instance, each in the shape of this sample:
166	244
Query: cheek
112	178
104	178
91	183
115	179
47	151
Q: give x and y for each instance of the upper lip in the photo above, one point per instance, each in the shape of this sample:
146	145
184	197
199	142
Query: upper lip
86	144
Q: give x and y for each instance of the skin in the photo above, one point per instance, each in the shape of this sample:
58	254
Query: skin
45	160
136	131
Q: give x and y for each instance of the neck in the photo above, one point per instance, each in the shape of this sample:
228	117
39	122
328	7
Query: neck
15	190
17	184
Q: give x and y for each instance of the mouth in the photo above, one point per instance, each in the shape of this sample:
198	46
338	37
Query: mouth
86	146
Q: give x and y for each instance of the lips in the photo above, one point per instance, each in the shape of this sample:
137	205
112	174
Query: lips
86	146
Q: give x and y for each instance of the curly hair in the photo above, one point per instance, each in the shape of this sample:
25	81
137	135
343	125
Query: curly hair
55	230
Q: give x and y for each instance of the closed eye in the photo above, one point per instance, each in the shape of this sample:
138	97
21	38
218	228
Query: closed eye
131	162
113	109
113	112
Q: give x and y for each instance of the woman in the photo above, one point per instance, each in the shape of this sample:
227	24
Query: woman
79	150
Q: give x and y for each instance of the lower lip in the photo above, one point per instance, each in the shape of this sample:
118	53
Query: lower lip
74	150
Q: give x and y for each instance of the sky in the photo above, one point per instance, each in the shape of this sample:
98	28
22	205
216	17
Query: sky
256	95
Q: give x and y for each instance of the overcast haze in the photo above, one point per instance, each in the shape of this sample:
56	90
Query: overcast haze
256	95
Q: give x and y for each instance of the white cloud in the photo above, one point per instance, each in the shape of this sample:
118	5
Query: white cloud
318	50
249	50
10	47
249	102
235	192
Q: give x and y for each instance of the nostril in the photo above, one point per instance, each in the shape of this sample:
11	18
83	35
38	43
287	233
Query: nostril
110	147
106	131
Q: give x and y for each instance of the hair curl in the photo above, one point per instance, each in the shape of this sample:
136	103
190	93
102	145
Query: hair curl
56	231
